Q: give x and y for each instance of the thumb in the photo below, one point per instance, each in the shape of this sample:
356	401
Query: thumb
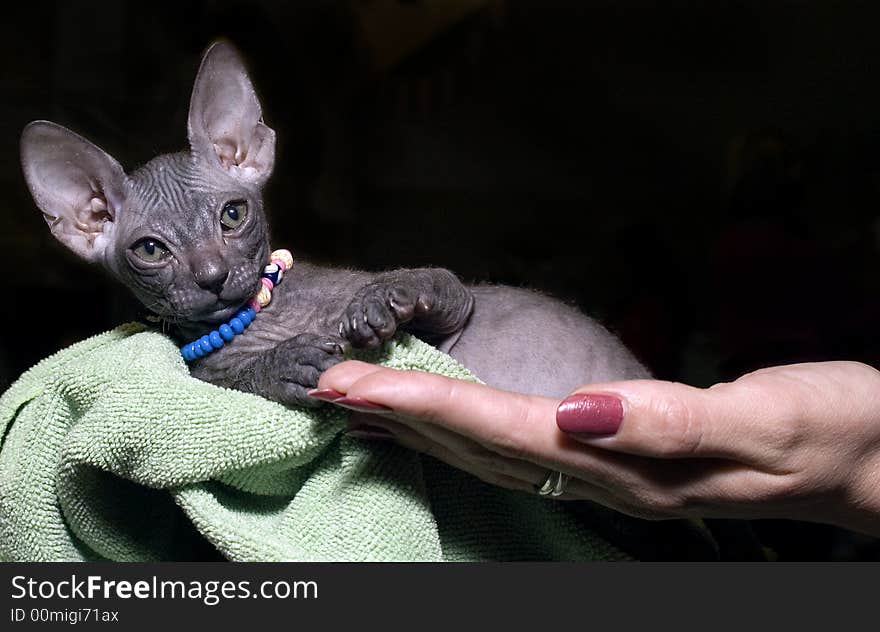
670	420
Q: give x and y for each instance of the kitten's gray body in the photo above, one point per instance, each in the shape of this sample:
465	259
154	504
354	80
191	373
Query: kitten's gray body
513	339
206	269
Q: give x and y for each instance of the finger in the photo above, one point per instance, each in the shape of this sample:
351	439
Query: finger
413	440
499	471
688	488
519	427
495	469
608	471
670	421
473	410
343	375
465	450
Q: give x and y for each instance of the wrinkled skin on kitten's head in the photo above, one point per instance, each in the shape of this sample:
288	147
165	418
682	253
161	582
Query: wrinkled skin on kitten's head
186	232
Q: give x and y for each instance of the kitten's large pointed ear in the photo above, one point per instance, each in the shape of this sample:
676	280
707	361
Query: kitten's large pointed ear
225	118
78	186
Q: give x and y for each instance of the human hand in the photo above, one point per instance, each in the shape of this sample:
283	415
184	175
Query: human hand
799	441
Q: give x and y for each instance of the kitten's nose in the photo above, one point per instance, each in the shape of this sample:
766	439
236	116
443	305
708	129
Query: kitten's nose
210	273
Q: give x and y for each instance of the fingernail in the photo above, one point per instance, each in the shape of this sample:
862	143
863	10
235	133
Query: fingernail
325	394
590	415
369	432
361	405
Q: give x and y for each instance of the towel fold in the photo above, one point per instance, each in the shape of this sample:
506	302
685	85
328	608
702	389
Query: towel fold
111	451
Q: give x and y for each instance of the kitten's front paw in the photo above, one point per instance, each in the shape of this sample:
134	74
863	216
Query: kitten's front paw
299	363
378	309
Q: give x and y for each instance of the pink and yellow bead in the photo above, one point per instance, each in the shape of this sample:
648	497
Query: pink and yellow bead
280	262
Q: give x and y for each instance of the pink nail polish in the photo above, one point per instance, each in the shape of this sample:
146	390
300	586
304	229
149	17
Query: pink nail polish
325	394
590	414
361	405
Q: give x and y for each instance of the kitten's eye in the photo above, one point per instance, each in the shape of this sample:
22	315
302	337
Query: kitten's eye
151	250
233	214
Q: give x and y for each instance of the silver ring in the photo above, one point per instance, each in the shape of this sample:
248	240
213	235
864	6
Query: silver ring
554	485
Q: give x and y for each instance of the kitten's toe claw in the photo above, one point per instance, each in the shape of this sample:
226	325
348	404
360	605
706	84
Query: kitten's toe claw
381	319
332	346
424	305
362	334
401	304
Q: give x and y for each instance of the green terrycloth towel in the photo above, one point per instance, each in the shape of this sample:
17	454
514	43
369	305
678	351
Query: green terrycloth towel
111	451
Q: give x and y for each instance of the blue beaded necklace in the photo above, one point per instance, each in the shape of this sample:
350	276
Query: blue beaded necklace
281	261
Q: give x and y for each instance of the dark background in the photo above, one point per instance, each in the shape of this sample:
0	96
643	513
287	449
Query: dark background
703	177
